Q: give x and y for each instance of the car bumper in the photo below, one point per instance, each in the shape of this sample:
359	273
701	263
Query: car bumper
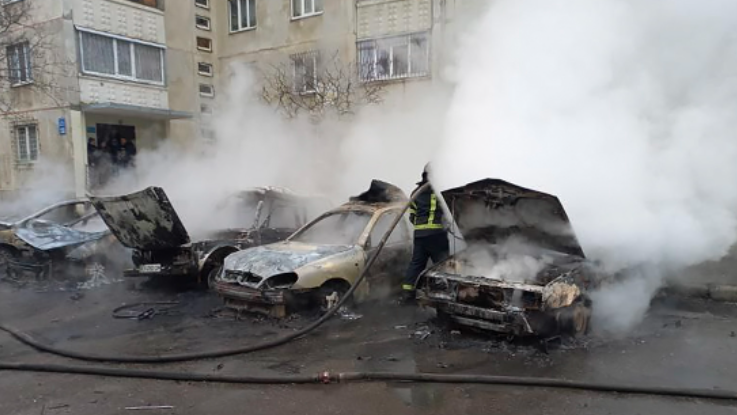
276	303
515	322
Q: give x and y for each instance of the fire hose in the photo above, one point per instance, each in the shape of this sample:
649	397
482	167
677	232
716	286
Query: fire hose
350	377
325	377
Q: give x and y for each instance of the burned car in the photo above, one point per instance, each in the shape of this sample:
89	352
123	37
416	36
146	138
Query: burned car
67	238
523	271
321	261
147	223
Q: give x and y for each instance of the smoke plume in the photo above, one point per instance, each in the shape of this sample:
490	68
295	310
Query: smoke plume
624	109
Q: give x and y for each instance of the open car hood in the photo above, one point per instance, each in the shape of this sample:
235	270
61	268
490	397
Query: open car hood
144	220
492	211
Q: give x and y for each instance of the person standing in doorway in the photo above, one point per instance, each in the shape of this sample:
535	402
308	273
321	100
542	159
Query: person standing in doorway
430	235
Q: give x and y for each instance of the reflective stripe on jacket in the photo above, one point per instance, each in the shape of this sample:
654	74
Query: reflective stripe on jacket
426	214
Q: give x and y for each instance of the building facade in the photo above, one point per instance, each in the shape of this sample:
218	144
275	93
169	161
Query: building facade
110	90
150	71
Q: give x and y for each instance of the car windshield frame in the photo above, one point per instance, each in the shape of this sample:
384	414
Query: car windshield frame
355	240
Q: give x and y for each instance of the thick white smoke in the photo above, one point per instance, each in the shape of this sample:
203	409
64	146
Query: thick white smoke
256	146
625	109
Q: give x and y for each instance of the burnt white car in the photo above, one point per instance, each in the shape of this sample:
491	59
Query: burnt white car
321	261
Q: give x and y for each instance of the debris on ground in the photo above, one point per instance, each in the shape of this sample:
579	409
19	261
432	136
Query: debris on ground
143	311
347	314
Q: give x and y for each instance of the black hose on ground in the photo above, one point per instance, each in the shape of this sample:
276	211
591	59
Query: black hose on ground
327	377
182	357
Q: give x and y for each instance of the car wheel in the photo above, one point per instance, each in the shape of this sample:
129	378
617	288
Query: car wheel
331	293
574	320
212	275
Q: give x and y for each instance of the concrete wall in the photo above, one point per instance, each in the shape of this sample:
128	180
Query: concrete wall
182	59
277	35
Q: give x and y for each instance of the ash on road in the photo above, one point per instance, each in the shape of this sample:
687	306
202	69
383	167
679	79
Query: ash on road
681	343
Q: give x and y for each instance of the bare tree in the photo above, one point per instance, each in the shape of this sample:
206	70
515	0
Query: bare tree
31	56
318	86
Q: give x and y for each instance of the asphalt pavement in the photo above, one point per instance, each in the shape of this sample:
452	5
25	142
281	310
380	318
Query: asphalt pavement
681	343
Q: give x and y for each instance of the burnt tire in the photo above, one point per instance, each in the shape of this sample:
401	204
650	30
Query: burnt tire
209	282
574	320
331	293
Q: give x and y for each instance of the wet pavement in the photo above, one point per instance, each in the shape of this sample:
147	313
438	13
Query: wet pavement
681	343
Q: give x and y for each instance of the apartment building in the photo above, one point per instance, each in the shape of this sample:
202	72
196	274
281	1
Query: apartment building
115	87
149	71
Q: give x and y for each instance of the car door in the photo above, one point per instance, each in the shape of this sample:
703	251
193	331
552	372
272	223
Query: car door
386	274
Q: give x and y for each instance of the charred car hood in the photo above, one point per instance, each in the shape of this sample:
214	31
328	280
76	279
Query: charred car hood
281	257
493	211
145	220
46	236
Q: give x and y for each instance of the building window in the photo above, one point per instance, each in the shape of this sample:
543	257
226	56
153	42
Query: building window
305	67
242	14
397	57
207	133
121	58
205	109
205	4
202	22
306	8
26	137
204	68
204	43
207	90
19	64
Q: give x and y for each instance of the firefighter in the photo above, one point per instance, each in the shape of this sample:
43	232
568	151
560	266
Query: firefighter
430	235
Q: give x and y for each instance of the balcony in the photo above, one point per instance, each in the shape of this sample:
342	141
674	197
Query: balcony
158	4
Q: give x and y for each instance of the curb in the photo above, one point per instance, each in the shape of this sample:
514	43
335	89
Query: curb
716	292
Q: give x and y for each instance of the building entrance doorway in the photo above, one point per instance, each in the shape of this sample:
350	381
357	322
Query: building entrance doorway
112	152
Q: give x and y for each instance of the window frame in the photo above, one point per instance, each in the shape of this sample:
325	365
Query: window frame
202	48
17	131
203	6
306	15
376	47
205	18
207	94
240	17
314	57
27	65
115	38
210	73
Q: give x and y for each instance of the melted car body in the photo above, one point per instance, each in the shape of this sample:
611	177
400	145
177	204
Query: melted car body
146	222
64	238
321	261
523	272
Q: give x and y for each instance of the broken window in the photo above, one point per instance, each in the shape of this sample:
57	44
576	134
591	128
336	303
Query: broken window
305	67
19	64
399	235
338	228
242	14
394	58
26	137
120	58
